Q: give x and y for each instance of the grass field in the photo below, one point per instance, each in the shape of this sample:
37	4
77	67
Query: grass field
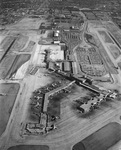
115	32
29	147
114	50
109	66
7	42
18	62
6	46
54	106
19	43
102	139
106	37
5	65
9	91
29	47
11	63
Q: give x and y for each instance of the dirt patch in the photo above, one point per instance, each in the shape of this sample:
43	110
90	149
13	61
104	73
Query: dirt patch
8	93
29	147
101	139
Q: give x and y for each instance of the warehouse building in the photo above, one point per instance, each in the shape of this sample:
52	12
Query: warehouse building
51	66
66	66
74	68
